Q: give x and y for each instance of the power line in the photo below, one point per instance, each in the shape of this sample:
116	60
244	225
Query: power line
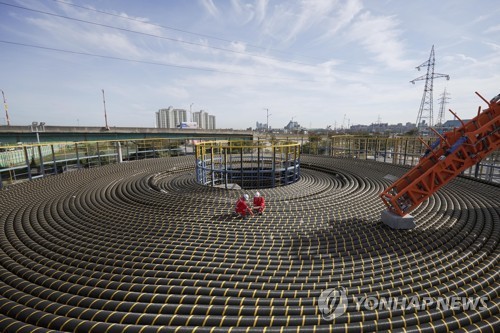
157	25
167	38
161	37
180	30
152	35
206	69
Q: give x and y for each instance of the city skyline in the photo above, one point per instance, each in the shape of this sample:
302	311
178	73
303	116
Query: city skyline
175	118
318	62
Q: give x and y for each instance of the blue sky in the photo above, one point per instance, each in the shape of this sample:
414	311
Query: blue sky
320	62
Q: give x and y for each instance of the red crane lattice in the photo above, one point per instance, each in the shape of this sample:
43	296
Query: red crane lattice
451	154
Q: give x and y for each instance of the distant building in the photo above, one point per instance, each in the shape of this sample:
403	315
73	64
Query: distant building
170	117
383	128
449	125
211	122
260	126
204	120
201	118
293	126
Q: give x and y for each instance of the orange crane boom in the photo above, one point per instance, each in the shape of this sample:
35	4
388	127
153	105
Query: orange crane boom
451	154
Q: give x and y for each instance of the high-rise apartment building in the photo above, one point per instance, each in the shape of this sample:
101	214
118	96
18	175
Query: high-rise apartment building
204	120
211	122
170	117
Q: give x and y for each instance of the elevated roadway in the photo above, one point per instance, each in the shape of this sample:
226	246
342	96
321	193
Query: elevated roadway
24	134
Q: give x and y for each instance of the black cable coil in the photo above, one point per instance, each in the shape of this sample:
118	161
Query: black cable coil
141	247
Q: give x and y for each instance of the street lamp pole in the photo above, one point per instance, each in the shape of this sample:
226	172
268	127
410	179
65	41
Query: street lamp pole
105	115
6	109
267	119
37	128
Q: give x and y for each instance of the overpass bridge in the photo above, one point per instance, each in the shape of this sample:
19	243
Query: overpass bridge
26	134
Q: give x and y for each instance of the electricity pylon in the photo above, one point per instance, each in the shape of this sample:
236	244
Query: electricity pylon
426	105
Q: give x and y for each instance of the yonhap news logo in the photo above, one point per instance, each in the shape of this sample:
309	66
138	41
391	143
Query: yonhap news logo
333	303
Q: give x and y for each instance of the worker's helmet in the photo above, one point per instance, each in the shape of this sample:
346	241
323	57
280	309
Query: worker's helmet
257	194
245	197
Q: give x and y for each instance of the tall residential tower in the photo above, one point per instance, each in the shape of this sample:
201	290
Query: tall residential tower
204	120
170	117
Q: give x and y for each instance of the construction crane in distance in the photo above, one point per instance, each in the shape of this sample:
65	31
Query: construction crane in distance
446	158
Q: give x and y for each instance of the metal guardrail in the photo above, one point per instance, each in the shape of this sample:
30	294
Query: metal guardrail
398	150
27	162
31	161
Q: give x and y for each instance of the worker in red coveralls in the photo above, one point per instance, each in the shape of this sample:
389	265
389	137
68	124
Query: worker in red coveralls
242	208
259	203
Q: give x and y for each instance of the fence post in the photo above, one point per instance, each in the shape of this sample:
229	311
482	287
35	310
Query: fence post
241	165
26	158
42	169
225	167
366	148
385	149
54	159
406	149
258	165
98	154
119	148
78	165
274	165
212	172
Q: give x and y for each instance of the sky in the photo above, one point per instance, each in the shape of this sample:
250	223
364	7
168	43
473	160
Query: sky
318	62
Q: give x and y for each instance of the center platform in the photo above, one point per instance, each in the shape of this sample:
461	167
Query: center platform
249	164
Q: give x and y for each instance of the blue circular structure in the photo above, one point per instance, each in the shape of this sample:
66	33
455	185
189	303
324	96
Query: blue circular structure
248	164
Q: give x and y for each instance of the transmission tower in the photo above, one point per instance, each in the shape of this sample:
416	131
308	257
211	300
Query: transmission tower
443	100
425	111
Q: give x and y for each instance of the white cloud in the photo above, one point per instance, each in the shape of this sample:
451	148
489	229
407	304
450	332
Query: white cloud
351	58
87	39
492	29
238	46
245	12
458	58
210	7
173	91
291	19
493	46
116	43
261	10
310	12
141	24
344	16
380	35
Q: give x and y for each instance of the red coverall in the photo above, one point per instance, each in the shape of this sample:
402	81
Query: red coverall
259	204
242	207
